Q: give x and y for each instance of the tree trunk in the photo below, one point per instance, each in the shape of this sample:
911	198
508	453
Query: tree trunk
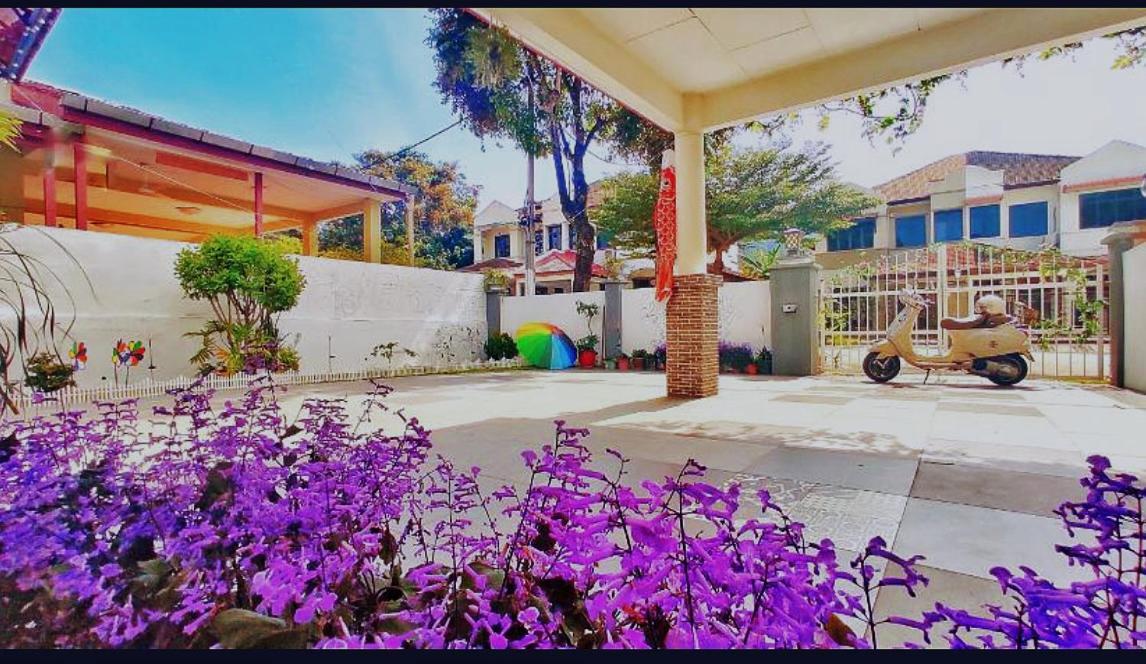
718	262
575	203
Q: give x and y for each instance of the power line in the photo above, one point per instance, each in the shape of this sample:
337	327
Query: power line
431	136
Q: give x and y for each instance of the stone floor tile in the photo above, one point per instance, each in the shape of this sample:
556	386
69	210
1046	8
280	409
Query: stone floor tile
1068	463
873	472
971	540
950	588
998	489
998	430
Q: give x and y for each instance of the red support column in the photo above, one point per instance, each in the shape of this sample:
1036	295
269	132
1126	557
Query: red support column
258	204
81	183
50	180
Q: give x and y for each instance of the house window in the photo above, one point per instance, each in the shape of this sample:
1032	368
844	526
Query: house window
538	242
860	235
1028	219
501	246
948	225
984	221
1101	209
554	237
911	231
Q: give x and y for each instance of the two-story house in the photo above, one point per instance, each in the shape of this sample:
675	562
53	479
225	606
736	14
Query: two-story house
499	243
1016	200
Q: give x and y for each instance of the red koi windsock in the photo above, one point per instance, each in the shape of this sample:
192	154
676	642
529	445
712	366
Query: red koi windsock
664	222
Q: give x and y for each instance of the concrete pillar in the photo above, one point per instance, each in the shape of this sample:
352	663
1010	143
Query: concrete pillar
691	234
372	232
80	161
794	285
258	204
493	310
611	328
1122	237
410	229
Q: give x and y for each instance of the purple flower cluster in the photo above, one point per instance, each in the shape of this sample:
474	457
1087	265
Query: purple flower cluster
236	526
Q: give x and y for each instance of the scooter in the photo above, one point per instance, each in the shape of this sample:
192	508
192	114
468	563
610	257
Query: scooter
988	344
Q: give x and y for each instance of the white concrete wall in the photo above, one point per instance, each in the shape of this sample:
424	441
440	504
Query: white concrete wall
744	310
559	310
1115	160
1134	273
134	295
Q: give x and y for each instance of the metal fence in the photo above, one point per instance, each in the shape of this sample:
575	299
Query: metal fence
1060	299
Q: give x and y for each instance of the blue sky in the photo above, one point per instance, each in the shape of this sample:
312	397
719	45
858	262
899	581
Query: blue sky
326	83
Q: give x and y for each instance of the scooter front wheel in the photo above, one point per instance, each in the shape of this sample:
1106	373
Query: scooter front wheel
879	369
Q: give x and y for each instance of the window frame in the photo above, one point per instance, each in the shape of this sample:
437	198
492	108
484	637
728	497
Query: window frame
497	239
1011	218
1135	195
857	237
922	220
998	221
550	245
935	224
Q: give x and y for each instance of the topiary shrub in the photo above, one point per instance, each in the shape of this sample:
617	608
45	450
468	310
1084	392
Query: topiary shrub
247	281
500	347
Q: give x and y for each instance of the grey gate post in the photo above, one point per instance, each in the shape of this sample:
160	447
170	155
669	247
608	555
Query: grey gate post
794	283
1121	238
611	327
493	298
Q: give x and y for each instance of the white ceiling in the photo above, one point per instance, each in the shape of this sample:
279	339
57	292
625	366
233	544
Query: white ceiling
702	49
702	68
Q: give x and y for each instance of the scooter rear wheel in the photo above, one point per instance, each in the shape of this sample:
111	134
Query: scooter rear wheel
1018	364
880	370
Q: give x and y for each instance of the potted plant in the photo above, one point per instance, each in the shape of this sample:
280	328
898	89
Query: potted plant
622	362
47	373
587	351
640	356
764	362
587	345
735	357
660	357
610	363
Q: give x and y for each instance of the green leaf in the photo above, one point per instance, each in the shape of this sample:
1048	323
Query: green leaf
240	629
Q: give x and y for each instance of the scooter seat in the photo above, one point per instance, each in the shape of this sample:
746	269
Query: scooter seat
974	322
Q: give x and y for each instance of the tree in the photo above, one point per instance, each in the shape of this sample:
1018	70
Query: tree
501	90
749	194
443	214
246	281
9	130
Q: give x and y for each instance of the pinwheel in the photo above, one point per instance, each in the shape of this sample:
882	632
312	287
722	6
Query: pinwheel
78	354
127	354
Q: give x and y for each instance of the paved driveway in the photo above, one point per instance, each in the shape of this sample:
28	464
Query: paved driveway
957	470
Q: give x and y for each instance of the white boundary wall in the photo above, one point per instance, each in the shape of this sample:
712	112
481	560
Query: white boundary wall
745	314
744	311
355	306
1134	315
559	309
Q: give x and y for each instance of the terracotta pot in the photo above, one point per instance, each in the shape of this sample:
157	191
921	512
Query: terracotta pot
587	359
638	363
622	364
751	370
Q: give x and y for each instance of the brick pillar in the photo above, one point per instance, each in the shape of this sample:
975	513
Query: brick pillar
693	330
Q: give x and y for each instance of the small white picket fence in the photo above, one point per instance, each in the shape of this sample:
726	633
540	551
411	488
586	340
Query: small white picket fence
148	388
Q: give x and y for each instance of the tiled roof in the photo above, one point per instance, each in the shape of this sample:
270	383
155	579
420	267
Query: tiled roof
1019	169
492	263
563	261
34	94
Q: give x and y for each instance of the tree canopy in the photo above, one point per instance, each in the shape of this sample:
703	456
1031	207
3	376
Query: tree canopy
502	91
749	194
443	213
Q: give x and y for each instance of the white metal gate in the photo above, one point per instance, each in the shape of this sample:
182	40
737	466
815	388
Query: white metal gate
1060	299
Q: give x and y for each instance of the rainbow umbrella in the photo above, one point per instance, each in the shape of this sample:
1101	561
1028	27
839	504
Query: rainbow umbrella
546	346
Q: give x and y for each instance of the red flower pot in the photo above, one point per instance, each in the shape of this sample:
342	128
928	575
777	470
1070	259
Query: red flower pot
587	359
622	364
751	370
